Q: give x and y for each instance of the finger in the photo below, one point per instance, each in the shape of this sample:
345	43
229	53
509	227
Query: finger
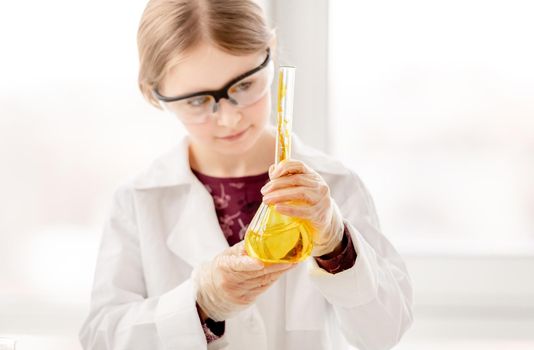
265	279
249	296
237	259
241	297
305	180
318	217
243	263
268	269
260	288
237	249
298	211
252	293
290	166
271	169
232	285
297	194
269	272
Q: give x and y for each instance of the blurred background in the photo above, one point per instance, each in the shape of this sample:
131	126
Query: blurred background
430	102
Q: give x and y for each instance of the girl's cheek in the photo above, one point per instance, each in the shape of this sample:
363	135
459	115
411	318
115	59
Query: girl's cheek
199	130
261	110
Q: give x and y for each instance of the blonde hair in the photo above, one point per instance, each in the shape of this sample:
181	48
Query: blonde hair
168	28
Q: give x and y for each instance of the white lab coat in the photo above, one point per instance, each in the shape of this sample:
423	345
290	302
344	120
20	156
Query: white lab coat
163	223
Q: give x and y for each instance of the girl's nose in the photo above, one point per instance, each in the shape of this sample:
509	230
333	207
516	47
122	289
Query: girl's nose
227	114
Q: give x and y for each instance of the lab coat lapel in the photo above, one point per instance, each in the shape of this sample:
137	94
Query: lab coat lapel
305	306
197	236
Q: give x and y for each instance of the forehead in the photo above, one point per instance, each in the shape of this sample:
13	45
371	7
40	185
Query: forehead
207	68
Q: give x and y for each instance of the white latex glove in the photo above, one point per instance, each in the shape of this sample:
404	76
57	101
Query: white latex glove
232	281
297	190
330	238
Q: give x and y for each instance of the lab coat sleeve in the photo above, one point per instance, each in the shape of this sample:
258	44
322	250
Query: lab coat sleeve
372	301
121	315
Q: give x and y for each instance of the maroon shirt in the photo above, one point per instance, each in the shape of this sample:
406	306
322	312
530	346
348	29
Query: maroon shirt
236	200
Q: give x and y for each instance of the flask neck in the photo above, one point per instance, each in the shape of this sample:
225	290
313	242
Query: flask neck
284	115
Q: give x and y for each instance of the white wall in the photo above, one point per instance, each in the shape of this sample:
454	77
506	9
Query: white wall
72	126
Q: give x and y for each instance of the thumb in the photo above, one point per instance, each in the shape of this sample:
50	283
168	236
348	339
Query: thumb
237	249
244	263
238	260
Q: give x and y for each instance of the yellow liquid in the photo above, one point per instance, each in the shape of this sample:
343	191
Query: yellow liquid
282	239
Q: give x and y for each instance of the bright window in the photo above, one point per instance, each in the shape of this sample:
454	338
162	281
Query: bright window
436	104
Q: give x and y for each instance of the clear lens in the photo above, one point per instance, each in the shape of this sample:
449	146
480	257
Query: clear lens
249	90
196	110
192	110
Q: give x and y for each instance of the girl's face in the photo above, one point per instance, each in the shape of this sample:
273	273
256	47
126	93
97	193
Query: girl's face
232	129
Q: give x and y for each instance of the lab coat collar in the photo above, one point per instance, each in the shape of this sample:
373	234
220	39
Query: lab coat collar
170	169
197	235
173	169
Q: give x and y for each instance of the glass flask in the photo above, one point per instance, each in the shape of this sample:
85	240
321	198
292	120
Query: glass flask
271	236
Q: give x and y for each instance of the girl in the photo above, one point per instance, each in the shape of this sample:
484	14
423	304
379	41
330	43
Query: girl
172	272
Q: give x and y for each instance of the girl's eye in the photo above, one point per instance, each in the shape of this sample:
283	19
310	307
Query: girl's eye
243	86
198	101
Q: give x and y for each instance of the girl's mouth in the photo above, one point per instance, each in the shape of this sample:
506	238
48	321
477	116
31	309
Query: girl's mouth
234	136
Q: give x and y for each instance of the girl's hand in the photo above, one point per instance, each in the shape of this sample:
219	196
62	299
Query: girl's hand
297	190
232	281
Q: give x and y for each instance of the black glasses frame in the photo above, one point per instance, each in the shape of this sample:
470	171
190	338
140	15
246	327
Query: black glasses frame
217	94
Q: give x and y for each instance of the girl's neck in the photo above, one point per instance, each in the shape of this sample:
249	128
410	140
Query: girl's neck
254	161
